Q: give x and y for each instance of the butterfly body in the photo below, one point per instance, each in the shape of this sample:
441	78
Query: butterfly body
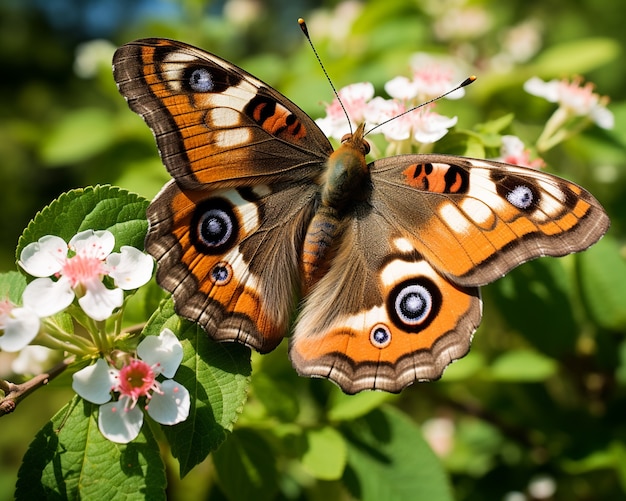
383	260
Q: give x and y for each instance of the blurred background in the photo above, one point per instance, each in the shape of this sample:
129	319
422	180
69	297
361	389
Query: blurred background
538	409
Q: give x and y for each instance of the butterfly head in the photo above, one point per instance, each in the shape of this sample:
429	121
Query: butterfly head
356	140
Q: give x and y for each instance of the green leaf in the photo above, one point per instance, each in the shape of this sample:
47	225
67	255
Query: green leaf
344	407
497	125
603	283
12	285
522	366
535	299
97	208
246	467
464	368
78	136
325	453
575	57
388	459
277	396
70	459
217	376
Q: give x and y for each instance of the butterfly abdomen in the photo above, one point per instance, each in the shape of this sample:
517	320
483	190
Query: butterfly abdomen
345	181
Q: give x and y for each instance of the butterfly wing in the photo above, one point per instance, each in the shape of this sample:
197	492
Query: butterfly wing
400	300
215	124
244	159
381	317
474	220
229	257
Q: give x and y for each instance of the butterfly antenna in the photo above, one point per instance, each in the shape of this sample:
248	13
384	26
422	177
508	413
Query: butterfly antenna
464	83
305	30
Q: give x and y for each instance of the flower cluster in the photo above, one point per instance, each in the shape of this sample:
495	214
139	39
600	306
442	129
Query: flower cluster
167	402
87	280
431	78
578	106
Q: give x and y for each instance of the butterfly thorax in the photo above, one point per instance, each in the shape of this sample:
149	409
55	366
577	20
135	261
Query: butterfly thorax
345	181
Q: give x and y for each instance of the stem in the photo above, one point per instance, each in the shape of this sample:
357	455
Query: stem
15	393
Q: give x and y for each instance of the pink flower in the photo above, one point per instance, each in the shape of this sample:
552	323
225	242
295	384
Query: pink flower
431	78
574	98
423	126
18	326
514	152
167	402
79	268
354	98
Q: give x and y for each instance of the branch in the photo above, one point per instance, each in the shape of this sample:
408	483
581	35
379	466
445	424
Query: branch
15	393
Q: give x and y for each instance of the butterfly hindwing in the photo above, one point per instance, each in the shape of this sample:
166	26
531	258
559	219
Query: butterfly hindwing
382	317
229	257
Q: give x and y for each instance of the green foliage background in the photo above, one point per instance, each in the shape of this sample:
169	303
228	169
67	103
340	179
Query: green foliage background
543	392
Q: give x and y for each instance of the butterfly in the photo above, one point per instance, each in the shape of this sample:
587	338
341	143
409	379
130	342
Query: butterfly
381	261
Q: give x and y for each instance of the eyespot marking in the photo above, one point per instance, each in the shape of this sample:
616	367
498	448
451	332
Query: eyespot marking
380	336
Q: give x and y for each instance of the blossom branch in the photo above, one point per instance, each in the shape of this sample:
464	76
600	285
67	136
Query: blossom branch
14	393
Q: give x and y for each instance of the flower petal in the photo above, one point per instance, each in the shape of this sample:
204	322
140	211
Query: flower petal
130	268
602	117
44	257
34	359
98	244
171	406
119	424
21	327
99	302
47	297
164	350
94	382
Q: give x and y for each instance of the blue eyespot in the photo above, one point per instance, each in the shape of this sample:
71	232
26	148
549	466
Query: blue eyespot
221	273
521	197
201	80
413	304
380	336
214	226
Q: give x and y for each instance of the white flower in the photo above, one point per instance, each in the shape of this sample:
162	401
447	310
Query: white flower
18	326
34	359
354	98
514	152
432	77
80	267
423	125
167	402
574	97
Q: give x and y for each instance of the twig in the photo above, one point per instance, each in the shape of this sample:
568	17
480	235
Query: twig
14	393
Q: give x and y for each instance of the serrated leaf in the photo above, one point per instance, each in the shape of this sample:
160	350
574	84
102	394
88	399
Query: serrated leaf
325	453
603	283
388	459
217	376
246	467
70	459
522	366
97	208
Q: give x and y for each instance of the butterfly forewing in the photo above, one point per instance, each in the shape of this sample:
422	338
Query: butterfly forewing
215	124
474	220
